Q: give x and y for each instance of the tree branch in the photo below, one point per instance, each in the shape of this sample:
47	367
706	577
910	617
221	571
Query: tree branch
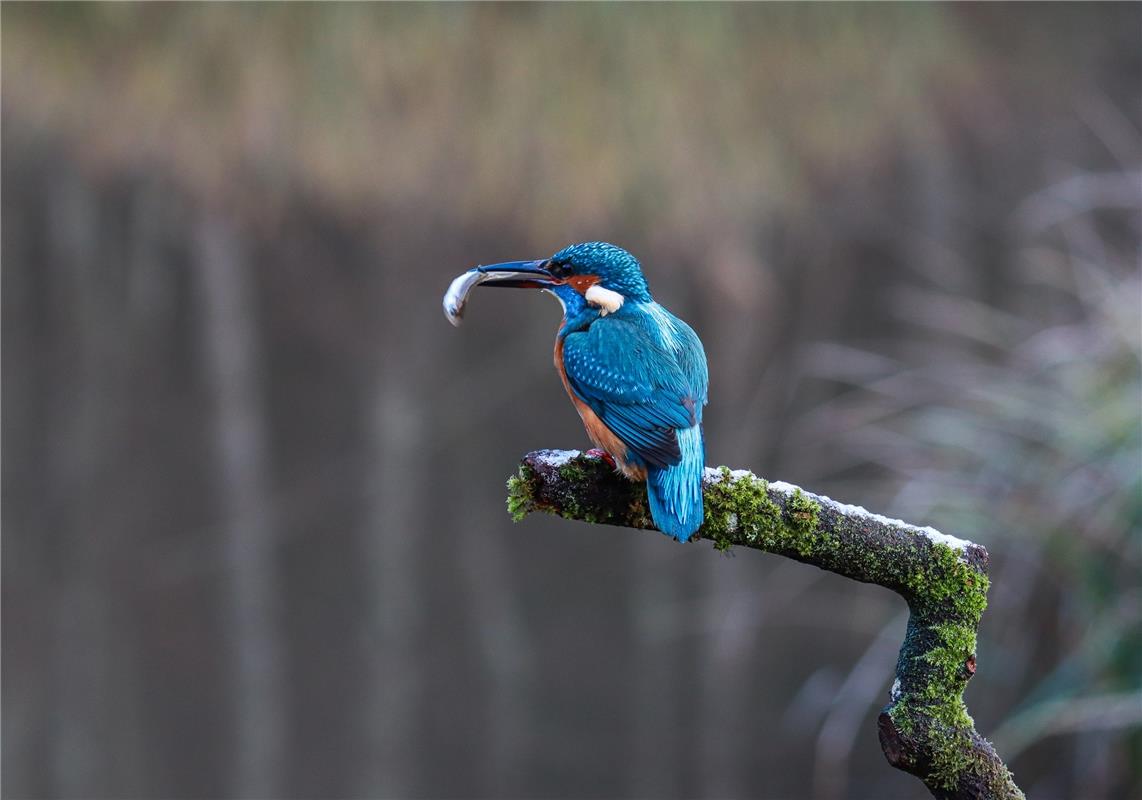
925	728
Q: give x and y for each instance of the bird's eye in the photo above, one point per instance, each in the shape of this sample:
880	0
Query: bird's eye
559	269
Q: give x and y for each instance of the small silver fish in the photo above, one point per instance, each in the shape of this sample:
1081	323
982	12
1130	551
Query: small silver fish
513	274
457	294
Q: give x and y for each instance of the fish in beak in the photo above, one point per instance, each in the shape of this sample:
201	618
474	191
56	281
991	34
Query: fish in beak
511	274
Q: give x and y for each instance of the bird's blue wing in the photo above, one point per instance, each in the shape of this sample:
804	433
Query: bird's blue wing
641	389
691	360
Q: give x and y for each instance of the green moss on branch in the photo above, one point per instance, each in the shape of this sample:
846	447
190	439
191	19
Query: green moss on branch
925	729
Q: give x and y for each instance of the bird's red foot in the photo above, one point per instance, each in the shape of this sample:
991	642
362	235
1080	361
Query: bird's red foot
595	452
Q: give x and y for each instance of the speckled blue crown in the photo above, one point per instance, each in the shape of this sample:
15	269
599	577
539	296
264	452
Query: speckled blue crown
617	269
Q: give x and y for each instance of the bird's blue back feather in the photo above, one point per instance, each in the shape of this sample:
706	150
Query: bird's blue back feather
643	372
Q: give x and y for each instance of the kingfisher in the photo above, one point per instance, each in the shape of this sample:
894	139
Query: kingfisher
636	373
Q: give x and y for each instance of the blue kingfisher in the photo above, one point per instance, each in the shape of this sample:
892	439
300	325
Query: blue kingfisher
635	372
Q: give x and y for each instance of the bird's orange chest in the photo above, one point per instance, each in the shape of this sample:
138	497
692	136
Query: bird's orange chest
600	434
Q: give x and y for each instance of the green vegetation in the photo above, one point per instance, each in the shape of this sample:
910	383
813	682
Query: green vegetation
740	510
1042	432
520	492
946	593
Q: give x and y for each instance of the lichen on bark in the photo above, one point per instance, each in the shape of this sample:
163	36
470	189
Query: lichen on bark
925	729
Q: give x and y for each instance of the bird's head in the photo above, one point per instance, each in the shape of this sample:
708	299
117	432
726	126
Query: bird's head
605	265
591	274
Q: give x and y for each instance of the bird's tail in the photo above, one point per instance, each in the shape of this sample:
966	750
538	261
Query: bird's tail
675	493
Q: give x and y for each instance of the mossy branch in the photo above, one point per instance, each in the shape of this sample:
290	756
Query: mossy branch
925	729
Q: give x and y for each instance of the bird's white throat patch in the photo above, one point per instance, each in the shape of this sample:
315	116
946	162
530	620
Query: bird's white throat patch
608	301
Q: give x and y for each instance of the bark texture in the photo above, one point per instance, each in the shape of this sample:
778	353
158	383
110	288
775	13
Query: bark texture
925	728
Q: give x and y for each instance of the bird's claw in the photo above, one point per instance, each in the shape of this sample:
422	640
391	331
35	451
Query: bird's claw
595	452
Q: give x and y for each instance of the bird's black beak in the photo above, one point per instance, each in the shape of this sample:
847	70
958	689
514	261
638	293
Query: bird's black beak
517	275
511	274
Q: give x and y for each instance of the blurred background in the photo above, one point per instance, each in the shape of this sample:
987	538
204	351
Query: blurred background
255	543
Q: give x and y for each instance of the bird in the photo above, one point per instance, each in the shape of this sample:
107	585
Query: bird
635	373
